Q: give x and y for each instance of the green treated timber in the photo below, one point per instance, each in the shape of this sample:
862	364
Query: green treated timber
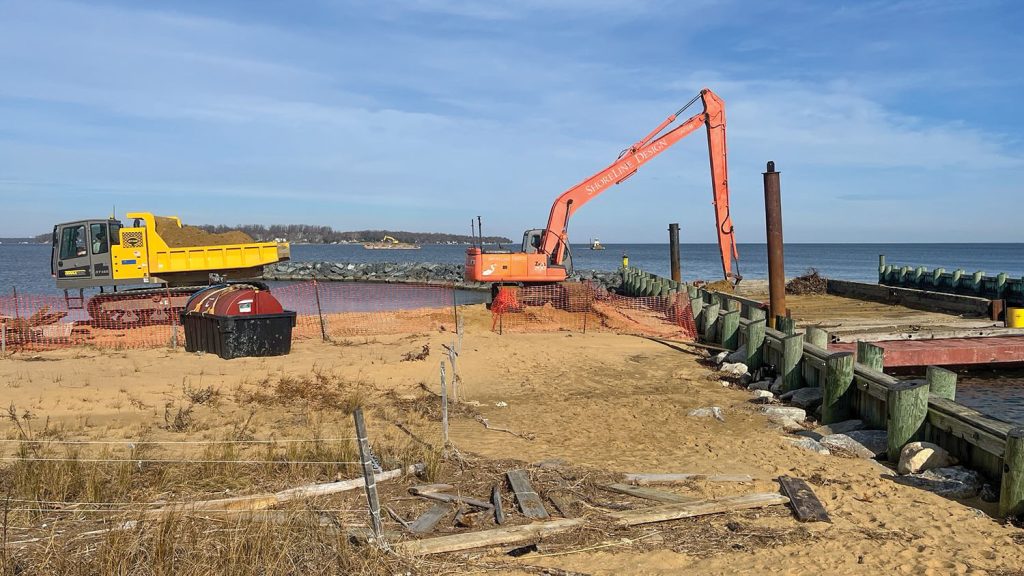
691	290
785	325
870	355
792	352
710	314
816	336
730	329
697	309
732	304
837	395
1011	493
757	314
941	382
755	343
906	410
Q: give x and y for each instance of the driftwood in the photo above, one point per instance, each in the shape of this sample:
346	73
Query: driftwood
454	499
494	537
499	512
649	493
805	504
699	508
426	522
643	478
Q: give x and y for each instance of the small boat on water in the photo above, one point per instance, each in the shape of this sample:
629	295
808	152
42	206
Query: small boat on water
389	243
595	244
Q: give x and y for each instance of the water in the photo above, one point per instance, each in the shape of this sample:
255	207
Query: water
27	266
999	393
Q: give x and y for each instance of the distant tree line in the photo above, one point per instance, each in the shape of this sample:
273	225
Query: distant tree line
310	234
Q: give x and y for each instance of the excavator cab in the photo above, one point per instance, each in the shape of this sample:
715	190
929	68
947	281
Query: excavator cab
80	255
532	241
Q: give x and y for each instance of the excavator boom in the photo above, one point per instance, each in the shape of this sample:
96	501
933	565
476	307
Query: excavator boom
545	260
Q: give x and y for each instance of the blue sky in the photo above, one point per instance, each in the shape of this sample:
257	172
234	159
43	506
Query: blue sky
890	121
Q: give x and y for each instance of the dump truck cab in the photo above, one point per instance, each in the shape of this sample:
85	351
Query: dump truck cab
81	253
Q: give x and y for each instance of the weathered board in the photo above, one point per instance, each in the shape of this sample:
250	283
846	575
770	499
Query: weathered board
805	503
494	537
529	502
426	522
654	478
699	508
499	512
649	493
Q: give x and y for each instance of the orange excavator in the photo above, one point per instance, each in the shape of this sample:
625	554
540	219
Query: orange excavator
545	256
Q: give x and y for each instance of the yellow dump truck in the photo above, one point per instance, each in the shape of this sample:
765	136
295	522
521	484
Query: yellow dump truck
170	261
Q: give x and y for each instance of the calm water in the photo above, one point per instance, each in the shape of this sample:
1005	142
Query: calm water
27	268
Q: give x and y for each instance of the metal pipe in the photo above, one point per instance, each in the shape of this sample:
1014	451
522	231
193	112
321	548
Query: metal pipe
673	250
776	259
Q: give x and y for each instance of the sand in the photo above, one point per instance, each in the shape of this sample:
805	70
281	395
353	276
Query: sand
601	402
178	237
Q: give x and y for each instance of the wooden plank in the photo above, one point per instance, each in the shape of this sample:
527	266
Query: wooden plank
499	512
456	499
494	537
421	488
699	508
649	493
806	505
529	502
651	478
562	505
426	522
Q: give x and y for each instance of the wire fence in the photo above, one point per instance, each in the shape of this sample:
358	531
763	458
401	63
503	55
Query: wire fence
587	307
151	318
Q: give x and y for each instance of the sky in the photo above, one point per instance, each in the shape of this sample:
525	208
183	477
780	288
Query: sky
890	121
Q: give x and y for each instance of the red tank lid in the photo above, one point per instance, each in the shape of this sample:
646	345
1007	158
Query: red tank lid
236	300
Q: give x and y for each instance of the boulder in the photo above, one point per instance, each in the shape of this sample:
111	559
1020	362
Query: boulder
733	369
740	355
708	412
808	434
759	385
840	427
844	444
875	440
807	398
763	394
809	444
953	482
778	414
918	457
719	358
776	386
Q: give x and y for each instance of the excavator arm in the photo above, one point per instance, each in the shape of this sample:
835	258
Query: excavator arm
555	236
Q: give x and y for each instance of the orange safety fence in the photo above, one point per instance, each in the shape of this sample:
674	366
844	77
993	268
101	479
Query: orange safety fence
121	320
586	307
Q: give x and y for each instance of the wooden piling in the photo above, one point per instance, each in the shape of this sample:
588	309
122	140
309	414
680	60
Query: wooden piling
785	324
907	407
837	401
870	355
941	382
697	308
730	328
816	336
755	343
792	352
1011	495
710	314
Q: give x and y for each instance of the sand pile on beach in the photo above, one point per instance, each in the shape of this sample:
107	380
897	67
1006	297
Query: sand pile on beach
179	237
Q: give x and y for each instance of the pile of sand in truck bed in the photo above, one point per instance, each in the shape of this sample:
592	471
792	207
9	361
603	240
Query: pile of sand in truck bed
177	237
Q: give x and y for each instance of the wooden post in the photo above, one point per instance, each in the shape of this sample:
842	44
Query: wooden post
785	324
730	329
755	313
755	343
907	407
319	311
836	403
816	336
697	308
1011	494
881	268
710	321
444	407
371	482
870	355
792	352
3	338
941	382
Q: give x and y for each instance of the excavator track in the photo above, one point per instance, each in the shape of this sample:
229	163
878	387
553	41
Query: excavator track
140	307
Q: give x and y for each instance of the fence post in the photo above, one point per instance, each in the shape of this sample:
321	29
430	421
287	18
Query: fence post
1011	493
444	407
816	336
319	311
792	352
870	355
755	343
3	338
730	329
452	357
906	407
17	311
836	403
941	382
174	324
371	482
